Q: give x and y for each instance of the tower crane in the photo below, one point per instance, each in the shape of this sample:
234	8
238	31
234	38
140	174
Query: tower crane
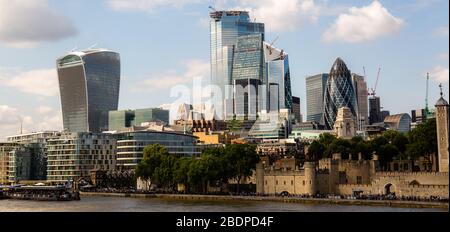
372	91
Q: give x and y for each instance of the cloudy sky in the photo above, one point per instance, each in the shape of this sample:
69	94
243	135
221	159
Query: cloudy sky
166	42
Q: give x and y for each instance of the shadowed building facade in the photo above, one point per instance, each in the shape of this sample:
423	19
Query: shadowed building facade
89	83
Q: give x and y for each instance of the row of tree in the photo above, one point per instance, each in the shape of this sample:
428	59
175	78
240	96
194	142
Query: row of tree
419	142
215	165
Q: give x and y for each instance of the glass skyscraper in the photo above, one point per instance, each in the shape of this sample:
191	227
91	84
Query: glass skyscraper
278	76
315	91
89	83
226	27
339	93
248	76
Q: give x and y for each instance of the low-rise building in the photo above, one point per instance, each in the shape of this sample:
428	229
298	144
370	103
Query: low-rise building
131	144
216	137
73	156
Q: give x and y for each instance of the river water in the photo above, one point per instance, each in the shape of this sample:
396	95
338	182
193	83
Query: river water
118	204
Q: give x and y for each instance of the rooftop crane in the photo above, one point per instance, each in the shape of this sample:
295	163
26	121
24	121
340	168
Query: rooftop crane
372	91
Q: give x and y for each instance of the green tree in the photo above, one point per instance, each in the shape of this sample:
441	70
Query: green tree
164	173
341	146
152	159
181	170
242	159
423	140
357	146
315	151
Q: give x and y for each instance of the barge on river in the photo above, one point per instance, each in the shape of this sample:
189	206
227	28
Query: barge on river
41	193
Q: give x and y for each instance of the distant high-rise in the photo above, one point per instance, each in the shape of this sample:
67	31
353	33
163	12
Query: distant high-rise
226	27
124	119
296	109
362	100
278	78
339	93
315	90
248	76
375	110
89	83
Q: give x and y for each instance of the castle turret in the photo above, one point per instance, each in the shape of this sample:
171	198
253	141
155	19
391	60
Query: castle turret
260	178
442	126
310	177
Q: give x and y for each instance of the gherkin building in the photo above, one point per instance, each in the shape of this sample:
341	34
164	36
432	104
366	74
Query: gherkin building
339	93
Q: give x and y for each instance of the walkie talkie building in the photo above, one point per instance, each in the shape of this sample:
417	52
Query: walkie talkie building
339	93
89	83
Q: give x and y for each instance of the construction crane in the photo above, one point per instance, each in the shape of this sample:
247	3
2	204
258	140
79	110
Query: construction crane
372	91
270	47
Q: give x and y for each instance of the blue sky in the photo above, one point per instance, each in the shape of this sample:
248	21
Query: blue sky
166	42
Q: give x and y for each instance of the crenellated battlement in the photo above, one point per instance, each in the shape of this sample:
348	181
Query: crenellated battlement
396	174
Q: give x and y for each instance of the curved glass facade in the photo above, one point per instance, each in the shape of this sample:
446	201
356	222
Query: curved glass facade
339	93
89	86
130	145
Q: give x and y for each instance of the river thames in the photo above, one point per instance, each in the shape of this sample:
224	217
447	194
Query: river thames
119	204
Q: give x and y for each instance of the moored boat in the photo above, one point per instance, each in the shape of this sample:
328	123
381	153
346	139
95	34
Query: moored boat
41	193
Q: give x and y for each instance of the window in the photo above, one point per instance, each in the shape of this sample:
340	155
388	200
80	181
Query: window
292	182
304	183
359	179
276	182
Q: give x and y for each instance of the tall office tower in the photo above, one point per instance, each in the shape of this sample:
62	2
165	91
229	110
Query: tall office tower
89	83
418	116
296	109
375	110
362	95
248	76
315	90
339	93
226	27
278	78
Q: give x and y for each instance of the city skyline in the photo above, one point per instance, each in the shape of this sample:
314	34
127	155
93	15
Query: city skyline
396	44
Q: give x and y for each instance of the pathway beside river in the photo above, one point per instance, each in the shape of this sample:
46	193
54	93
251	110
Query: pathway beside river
402	204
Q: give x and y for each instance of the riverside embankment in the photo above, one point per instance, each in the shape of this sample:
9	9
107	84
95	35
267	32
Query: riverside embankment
222	198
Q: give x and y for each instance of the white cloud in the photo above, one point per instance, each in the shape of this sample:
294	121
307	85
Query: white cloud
165	80
441	31
282	15
147	5
363	24
43	110
443	56
51	120
25	23
440	74
10	121
41	82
